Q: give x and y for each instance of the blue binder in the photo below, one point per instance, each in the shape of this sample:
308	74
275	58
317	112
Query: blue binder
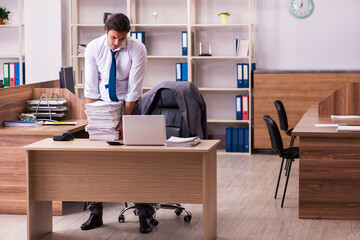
246	139
238	105
239	75
241	139
184	72
17	74
178	71
228	137
235	140
246	75
184	43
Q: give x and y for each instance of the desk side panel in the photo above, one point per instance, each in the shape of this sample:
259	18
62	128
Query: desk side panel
13	174
116	176
329	178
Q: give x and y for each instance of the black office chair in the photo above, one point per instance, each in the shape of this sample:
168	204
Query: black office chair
164	103
283	120
289	154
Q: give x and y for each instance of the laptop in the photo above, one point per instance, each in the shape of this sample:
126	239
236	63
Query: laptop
144	129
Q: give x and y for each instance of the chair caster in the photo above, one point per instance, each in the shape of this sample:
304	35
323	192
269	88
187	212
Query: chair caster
178	212
135	212
121	218
187	218
154	222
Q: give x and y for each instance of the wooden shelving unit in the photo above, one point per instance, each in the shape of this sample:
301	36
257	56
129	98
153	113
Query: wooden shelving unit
163	43
16	55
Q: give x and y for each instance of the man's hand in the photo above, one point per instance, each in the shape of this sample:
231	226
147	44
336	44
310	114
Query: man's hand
120	129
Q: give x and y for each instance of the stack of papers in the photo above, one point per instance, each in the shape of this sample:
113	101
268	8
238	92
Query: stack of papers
103	118
182	142
345	117
348	128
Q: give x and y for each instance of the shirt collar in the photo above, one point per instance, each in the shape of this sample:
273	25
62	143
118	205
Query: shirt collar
123	45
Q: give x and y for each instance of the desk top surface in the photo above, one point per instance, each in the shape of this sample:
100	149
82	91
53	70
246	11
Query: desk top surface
306	126
44	130
86	145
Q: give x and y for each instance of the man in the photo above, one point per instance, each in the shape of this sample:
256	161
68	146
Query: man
115	66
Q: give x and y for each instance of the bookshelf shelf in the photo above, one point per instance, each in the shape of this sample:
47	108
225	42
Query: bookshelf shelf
217	89
215	75
219	120
219	57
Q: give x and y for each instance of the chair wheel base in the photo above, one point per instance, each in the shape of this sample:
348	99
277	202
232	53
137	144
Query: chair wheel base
121	218
187	218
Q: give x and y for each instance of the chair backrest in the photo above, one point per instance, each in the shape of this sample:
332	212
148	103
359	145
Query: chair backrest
165	104
282	115
274	133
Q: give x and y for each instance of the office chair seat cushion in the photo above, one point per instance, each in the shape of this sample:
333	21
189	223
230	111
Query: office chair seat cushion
173	131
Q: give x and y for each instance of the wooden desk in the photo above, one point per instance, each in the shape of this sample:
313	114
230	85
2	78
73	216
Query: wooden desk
83	170
329	172
13	158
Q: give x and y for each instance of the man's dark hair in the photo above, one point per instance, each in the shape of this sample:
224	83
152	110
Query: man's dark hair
118	22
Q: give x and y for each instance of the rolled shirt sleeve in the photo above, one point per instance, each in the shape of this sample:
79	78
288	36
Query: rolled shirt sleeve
91	74
137	73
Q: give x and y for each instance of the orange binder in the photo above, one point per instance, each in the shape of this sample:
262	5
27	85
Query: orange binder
245	107
12	74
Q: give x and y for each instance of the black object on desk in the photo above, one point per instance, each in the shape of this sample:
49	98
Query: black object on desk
66	136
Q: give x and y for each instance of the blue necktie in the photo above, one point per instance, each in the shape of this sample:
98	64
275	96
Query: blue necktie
112	78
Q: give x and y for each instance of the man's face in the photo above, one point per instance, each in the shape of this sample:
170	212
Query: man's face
115	38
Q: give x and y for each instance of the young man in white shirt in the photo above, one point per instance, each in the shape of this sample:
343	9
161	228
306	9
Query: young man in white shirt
115	66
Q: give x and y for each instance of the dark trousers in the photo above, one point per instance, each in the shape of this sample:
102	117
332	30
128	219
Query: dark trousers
147	209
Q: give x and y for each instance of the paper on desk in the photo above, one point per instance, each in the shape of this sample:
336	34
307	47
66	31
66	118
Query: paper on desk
345	117
325	125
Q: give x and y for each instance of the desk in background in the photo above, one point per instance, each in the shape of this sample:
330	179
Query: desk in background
329	169
83	170
13	158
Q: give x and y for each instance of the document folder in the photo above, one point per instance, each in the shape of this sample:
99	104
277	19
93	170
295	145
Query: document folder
6	74
184	41
245	107
239	115
241	139
240	75
246	139
228	137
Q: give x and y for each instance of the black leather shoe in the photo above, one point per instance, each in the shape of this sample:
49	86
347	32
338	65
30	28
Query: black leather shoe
94	221
145	226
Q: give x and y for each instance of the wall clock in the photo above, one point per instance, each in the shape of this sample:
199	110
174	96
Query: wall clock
301	8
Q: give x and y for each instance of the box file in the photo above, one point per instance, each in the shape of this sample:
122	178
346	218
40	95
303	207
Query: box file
241	139
184	42
228	137
239	115
246	139
6	74
184	72
245	107
178	71
234	139
240	74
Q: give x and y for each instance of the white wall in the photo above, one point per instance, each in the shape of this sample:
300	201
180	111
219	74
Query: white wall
329	39
43	42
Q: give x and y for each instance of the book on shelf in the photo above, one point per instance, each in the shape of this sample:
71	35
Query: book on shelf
22	123
243	48
182	142
348	128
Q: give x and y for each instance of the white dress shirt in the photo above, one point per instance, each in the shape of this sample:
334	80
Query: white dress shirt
131	64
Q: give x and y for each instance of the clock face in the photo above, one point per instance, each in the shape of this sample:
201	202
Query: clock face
301	8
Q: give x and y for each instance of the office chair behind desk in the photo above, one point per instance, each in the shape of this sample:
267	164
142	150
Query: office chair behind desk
165	104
